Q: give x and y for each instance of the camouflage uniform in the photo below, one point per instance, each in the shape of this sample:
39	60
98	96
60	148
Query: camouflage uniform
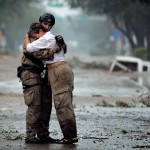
37	93
61	79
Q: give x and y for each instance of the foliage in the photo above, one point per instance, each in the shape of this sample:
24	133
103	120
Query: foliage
13	8
140	52
122	104
104	104
145	99
16	16
131	17
117	104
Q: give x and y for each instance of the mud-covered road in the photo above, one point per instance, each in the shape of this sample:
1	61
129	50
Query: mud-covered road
99	128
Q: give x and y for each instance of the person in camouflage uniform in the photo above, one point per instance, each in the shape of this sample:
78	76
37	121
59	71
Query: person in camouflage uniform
61	78
37	94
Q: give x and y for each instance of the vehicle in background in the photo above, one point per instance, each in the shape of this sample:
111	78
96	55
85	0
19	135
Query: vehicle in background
136	69
129	64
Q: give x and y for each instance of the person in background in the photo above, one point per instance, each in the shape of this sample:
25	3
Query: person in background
3	41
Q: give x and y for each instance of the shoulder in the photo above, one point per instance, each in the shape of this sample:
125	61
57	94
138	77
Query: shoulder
48	35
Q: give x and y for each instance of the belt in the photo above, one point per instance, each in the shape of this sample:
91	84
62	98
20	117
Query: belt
55	65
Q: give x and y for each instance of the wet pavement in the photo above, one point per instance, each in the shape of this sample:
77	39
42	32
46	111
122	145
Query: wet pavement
89	83
98	127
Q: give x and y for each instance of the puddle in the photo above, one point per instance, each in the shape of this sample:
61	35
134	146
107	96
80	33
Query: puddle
89	85
11	86
107	86
4	109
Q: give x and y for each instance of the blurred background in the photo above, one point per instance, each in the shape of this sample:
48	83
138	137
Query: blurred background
119	27
95	31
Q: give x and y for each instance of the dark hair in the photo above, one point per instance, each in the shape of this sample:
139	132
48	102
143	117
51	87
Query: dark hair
35	28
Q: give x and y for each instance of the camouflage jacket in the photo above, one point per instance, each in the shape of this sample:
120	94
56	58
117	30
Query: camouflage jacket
36	58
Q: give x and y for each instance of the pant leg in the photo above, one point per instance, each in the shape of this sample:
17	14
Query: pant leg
61	80
46	108
65	114
32	97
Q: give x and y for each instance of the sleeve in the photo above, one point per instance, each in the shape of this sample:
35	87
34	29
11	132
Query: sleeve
41	43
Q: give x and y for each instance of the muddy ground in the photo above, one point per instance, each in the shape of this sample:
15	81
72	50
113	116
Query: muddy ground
99	128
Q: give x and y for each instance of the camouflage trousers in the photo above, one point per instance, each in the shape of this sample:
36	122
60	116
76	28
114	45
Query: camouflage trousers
38	98
61	81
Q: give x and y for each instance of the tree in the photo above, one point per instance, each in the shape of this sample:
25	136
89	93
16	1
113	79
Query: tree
129	16
16	16
13	8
